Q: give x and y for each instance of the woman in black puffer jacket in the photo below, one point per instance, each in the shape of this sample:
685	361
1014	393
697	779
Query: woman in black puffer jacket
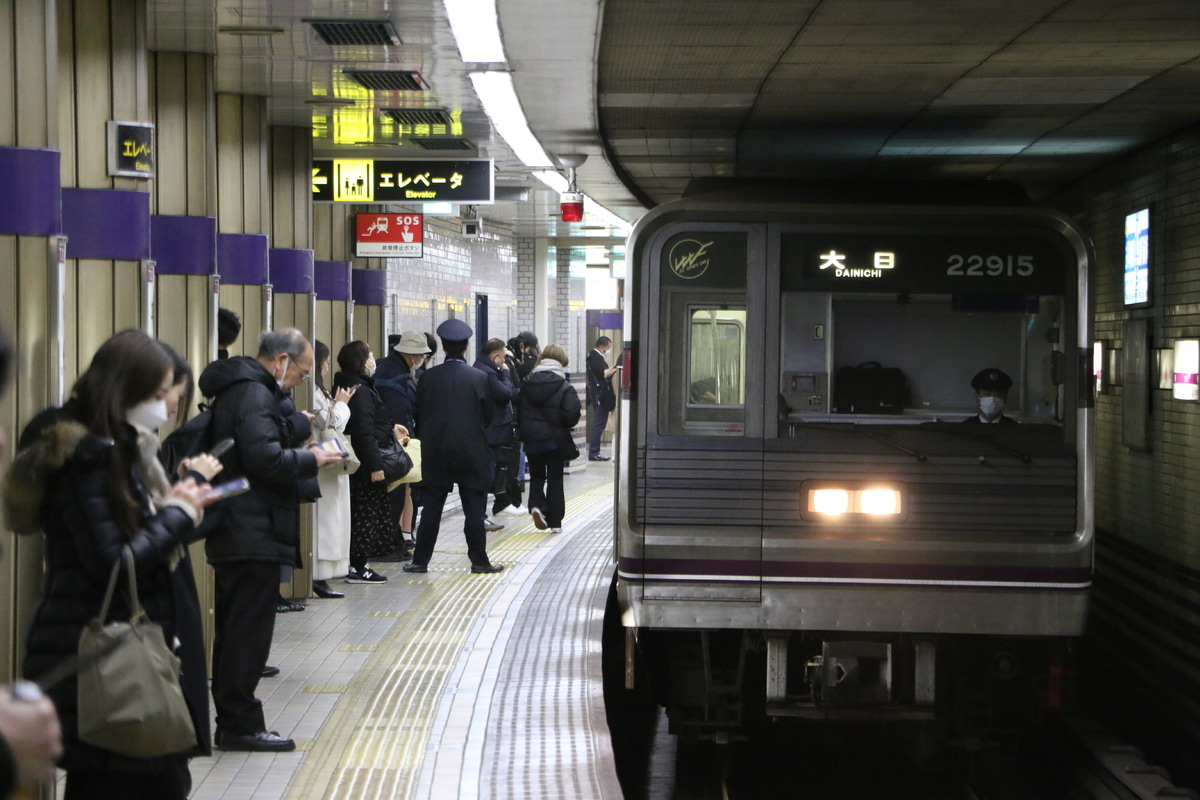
549	409
81	479
372	529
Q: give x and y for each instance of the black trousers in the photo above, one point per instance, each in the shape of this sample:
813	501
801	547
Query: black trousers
174	782
474	502
512	484
246	593
599	423
546	486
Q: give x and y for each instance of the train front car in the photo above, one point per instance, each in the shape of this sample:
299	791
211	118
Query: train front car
813	519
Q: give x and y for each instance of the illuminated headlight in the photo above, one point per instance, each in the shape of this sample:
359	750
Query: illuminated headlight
822	500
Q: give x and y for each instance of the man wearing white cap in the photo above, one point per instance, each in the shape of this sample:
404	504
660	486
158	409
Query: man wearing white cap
454	411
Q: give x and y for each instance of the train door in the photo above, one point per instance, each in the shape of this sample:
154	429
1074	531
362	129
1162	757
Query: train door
701	459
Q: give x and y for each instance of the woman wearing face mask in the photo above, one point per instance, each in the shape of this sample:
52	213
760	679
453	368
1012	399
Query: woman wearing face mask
81	478
991	387
331	543
370	428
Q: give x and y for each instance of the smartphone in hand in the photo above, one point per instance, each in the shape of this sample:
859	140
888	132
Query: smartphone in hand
332	446
230	489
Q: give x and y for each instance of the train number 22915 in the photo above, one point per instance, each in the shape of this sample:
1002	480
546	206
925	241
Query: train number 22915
994	266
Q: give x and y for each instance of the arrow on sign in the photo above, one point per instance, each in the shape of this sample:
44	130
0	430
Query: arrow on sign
318	180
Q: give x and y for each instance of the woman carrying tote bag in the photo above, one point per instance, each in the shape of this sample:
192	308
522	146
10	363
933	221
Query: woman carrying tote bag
549	409
81	479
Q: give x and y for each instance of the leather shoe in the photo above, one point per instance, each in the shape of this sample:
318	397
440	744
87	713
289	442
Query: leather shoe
415	568
321	589
599	458
484	569
261	742
270	671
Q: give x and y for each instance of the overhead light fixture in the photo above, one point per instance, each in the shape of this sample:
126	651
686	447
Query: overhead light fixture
499	99
476	28
570	202
594	209
552	178
330	101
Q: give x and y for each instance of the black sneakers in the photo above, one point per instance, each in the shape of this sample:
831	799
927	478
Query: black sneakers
367	575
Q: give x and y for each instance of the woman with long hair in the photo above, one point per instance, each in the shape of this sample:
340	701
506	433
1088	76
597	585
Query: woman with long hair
82	478
372	529
331	558
549	409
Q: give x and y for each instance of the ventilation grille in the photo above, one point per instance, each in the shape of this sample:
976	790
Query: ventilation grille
418	116
388	80
355	32
443	144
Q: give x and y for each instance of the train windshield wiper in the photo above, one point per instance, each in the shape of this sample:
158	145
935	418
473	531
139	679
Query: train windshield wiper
861	431
1024	457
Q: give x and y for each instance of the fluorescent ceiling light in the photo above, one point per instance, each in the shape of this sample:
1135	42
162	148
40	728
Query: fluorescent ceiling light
476	29
551	178
499	98
438	209
590	206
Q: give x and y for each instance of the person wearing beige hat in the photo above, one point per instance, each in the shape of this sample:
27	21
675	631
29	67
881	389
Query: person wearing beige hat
397	388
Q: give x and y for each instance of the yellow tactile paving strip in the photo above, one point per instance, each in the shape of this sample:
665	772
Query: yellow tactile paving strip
375	741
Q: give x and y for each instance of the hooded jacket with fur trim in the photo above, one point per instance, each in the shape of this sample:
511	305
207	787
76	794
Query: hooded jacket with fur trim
58	484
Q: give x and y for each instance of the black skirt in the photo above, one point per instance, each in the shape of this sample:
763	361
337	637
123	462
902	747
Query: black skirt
372	529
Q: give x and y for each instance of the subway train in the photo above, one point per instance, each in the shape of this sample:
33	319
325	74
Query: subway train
807	524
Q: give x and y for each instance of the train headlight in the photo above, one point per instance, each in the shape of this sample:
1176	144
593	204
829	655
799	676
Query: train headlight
879	501
827	499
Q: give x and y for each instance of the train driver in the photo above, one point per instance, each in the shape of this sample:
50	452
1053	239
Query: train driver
991	387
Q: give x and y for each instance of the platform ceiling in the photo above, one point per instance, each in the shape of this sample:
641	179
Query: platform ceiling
658	92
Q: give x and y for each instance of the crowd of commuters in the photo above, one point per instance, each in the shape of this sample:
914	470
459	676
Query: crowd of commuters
94	479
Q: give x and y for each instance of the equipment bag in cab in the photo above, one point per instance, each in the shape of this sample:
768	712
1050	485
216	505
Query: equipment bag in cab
870	388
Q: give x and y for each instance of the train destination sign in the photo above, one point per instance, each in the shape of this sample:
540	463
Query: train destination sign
912	263
368	180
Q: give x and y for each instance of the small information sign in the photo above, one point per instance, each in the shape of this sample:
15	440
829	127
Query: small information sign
131	149
389	236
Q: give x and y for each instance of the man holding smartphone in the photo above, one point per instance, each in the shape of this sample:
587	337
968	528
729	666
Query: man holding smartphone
599	372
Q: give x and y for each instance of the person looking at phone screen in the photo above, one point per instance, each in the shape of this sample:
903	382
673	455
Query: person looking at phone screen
85	478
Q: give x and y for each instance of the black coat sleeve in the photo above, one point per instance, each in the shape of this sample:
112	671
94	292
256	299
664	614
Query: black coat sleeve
570	407
263	453
98	536
361	430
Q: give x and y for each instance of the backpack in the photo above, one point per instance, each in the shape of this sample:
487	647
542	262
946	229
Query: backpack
191	438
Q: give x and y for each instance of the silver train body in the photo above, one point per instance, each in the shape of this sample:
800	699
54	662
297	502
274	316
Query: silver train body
779	554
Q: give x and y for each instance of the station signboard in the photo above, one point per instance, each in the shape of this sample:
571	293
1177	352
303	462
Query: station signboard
389	235
368	180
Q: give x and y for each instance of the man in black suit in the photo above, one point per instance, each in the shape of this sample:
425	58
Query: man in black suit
455	410
598	372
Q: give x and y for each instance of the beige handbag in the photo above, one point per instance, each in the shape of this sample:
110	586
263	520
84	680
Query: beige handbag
413	448
348	465
130	700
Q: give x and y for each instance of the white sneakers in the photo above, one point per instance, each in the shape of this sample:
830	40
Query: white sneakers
513	511
556	530
539	519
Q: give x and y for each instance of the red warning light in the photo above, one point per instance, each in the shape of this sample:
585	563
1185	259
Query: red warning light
571	204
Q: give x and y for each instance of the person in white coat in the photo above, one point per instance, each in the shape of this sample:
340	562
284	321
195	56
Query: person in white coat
331	545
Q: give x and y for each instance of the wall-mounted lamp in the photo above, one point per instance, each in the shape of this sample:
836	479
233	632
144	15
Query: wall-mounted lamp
1098	365
1187	370
571	201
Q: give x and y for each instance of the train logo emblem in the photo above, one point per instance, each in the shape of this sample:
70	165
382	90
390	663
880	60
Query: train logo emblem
689	258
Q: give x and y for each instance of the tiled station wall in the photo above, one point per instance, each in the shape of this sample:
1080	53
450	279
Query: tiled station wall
1144	626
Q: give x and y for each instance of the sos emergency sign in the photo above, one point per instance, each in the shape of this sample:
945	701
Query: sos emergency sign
389	235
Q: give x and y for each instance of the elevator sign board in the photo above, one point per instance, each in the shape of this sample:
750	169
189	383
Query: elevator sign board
389	235
368	180
131	149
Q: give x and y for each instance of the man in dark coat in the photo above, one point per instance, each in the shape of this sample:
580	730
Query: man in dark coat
991	387
395	380
258	529
501	434
454	410
598	372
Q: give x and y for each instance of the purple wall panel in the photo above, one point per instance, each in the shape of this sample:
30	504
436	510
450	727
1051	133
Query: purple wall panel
291	271
106	224
30	197
332	279
184	245
369	287
242	258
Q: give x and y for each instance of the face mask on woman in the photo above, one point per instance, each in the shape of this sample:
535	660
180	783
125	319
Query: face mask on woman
149	414
369	367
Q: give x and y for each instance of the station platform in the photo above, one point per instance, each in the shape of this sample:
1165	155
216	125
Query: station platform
447	684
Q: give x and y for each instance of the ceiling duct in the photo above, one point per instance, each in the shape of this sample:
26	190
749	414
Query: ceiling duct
418	116
388	80
360	32
443	144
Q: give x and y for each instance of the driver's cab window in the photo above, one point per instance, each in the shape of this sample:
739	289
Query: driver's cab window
716	358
